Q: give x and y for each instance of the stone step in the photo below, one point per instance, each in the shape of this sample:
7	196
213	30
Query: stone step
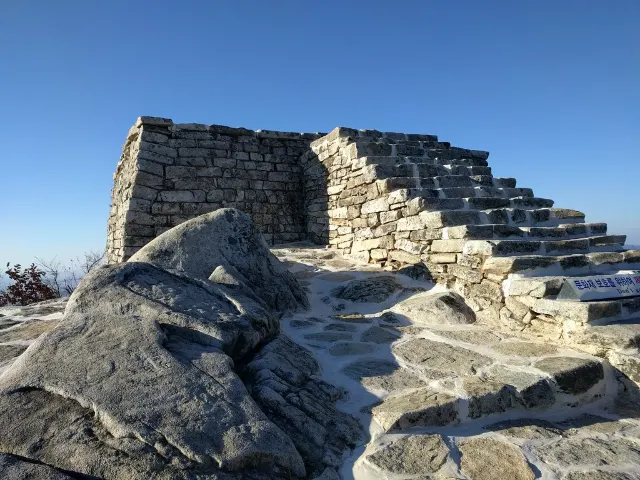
602	340
553	382
611	243
363	147
505	216
417	205
500	231
440	175
596	312
404	194
597	263
473	163
450	181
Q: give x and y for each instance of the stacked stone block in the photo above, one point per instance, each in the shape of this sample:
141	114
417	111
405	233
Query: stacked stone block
390	198
169	173
398	200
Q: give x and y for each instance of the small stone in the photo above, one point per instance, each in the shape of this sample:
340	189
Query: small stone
488	459
414	454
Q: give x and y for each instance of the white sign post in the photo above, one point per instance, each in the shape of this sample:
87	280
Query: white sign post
601	287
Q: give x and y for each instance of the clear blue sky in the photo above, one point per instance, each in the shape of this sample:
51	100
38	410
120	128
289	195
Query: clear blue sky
550	88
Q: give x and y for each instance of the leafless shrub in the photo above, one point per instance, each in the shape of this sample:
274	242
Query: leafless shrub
63	279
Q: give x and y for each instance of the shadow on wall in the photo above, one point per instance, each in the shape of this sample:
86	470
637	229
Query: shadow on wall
315	180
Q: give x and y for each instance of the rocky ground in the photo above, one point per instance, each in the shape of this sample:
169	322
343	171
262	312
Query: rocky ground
443	397
437	394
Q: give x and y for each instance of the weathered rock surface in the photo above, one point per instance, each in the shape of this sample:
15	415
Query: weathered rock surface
488	459
441	356
13	467
157	373
422	408
590	452
436	308
283	378
573	375
226	247
415	454
368	290
144	359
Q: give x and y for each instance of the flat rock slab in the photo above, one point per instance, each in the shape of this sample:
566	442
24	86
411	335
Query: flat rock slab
380	335
488	459
412	455
525	349
348	349
301	324
530	390
12	467
351	318
328	336
422	408
7	352
341	327
475	336
370	367
601	475
527	429
6	323
368	290
573	375
590	452
588	423
393	383
28	330
441	356
39	309
488	396
436	309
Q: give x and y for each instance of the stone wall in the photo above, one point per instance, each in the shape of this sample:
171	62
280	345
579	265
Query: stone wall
169	173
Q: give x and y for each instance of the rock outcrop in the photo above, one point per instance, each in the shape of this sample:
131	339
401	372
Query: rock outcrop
143	377
225	247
